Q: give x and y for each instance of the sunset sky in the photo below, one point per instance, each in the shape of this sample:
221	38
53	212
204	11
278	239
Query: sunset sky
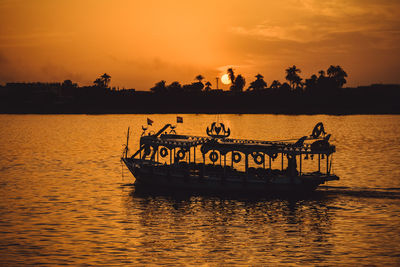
142	42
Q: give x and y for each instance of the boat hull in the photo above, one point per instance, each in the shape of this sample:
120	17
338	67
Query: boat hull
175	180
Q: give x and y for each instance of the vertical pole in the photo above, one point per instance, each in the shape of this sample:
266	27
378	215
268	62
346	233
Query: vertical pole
194	154
174	156
158	160
232	159
127	143
170	157
217	81
270	162
282	161
189	153
319	162
327	164
300	162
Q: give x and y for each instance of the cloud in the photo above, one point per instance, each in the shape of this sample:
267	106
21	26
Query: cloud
142	43
348	8
312	32
314	21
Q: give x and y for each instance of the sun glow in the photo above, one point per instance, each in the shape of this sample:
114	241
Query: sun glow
225	79
41	42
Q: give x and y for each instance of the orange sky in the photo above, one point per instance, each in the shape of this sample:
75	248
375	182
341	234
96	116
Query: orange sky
142	42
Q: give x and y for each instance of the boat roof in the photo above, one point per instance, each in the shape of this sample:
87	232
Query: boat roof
225	145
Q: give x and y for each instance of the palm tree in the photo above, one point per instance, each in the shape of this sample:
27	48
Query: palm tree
275	84
197	86
292	76
258	84
331	71
106	79
199	78
98	82
239	84
298	82
208	86
337	74
231	75
159	87
102	81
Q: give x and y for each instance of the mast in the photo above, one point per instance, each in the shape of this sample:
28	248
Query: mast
327	164
127	143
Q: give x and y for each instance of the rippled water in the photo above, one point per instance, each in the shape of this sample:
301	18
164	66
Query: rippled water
65	198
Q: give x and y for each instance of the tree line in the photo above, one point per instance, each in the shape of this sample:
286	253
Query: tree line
333	78
321	93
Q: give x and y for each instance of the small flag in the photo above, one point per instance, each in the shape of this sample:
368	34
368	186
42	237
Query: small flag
179	119
149	122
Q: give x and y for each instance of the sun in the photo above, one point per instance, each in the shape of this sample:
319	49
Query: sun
225	79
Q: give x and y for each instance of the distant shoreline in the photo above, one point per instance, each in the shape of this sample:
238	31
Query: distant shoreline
366	100
194	113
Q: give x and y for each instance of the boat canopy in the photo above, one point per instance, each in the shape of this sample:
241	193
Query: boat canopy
319	145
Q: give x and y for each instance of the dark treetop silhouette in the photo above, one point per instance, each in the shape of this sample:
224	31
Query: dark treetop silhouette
320	93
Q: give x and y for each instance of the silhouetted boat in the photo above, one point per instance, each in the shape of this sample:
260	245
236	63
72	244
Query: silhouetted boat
221	158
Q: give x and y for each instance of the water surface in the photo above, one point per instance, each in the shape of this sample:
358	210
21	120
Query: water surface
65	197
